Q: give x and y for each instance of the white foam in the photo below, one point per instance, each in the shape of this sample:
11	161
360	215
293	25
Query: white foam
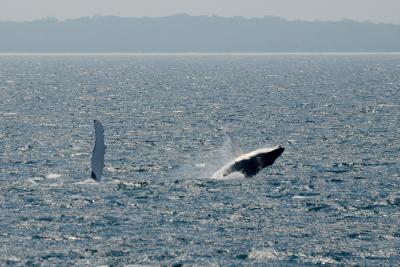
34	180
233	176
200	165
299	197
53	176
272	254
87	182
8	114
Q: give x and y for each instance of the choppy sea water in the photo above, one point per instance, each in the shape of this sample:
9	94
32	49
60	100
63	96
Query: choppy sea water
332	198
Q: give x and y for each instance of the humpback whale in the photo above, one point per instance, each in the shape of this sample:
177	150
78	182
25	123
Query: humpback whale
249	164
97	161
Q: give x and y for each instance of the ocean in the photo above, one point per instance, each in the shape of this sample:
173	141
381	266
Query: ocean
332	198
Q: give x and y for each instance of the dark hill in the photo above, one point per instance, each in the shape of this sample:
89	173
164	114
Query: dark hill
184	33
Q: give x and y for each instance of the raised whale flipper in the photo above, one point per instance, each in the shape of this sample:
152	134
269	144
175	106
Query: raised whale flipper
250	163
97	161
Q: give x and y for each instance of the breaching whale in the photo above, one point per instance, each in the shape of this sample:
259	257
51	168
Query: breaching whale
97	161
249	164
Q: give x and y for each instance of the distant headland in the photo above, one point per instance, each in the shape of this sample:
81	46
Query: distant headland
195	34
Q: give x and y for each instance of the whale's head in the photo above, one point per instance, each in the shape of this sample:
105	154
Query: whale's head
276	152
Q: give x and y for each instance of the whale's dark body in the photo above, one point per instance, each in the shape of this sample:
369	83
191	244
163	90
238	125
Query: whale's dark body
249	164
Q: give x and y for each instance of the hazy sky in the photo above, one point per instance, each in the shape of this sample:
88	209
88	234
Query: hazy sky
361	10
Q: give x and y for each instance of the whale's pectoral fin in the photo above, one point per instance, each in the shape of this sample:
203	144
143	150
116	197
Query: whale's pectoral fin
97	161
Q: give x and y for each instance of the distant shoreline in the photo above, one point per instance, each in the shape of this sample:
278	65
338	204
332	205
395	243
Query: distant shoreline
199	35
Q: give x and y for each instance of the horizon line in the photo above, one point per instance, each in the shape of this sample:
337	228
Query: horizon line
47	18
199	54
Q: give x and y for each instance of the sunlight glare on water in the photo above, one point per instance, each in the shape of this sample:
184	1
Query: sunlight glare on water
331	198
